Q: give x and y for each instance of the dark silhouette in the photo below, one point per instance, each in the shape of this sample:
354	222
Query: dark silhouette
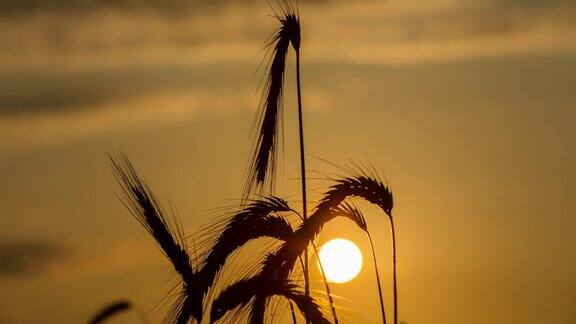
263	216
262	167
260	218
263	162
256	290
352	209
280	264
109	311
168	234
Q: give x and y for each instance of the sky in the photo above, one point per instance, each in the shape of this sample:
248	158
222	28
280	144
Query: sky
466	107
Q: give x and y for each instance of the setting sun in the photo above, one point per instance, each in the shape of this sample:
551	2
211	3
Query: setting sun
341	260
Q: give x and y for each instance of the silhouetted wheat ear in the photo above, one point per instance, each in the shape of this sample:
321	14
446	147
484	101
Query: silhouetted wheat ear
352	209
109	311
254	291
262	166
168	234
363	186
366	186
353	213
256	220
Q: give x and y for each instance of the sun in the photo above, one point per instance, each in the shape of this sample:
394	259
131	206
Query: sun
341	260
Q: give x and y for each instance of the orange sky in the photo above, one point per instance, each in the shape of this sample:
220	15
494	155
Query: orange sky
466	106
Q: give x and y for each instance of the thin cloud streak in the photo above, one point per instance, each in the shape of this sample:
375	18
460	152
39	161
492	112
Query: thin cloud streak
443	31
157	110
50	45
28	258
376	32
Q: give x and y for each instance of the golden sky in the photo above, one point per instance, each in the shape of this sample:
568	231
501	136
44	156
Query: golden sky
468	108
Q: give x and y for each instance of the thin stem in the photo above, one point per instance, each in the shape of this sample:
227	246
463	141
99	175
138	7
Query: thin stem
377	279
292	311
328	292
302	169
394	273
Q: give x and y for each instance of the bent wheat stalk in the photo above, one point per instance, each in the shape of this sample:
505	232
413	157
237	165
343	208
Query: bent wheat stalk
281	263
257	220
351	209
142	204
367	186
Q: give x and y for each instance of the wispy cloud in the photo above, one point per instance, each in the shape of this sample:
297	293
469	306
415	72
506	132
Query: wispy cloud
24	258
374	32
70	72
156	110
415	32
27	7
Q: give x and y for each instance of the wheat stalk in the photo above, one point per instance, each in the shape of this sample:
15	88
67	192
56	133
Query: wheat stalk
256	220
261	171
262	166
351	209
366	185
168	234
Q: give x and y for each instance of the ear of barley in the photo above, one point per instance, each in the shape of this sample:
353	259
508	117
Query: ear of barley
364	184
262	165
143	205
256	220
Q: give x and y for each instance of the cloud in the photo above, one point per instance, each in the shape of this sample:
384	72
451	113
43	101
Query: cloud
172	8
24	258
53	91
24	7
442	31
380	32
41	108
67	75
34	102
29	258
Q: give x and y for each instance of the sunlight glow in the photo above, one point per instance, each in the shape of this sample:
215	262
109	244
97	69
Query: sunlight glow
341	260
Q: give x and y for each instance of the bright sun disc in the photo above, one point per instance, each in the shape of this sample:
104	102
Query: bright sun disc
341	260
